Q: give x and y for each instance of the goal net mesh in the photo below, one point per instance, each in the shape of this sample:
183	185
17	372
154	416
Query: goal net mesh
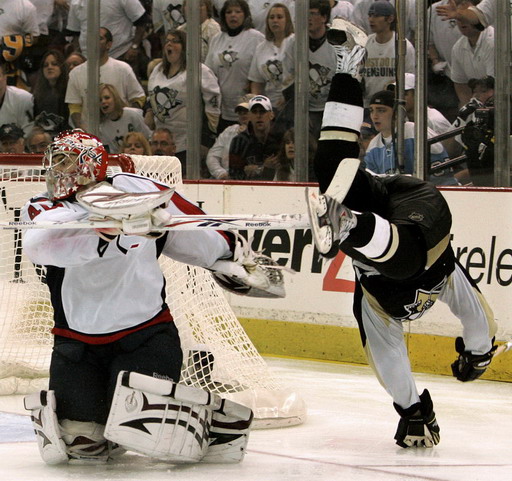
218	355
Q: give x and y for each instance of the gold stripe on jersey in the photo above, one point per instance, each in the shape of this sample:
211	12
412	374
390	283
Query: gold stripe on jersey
338	135
436	251
393	246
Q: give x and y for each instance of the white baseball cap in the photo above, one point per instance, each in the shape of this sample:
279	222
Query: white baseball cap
409	82
260	100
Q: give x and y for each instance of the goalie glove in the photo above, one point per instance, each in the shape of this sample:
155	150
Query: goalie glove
250	273
418	425
468	366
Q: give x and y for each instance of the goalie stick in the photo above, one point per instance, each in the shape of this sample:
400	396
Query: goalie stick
183	222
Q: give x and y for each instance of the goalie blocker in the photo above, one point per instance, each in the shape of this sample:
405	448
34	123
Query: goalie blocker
158	418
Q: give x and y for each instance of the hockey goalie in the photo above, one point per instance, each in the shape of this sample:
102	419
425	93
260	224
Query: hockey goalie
116	360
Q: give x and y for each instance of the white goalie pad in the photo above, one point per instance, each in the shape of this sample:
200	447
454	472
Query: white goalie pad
160	418
105	200
46	426
229	433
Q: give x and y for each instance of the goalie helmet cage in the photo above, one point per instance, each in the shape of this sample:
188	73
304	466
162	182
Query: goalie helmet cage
218	355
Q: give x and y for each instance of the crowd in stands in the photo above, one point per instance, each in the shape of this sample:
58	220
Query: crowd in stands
247	80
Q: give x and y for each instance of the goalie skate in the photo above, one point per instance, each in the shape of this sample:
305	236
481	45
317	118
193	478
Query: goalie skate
330	220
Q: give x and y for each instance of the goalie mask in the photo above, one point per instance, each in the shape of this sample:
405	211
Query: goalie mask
73	160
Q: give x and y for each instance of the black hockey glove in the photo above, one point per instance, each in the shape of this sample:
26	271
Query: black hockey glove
418	426
469	367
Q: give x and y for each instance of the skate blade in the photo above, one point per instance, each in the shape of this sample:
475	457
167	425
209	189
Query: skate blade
322	235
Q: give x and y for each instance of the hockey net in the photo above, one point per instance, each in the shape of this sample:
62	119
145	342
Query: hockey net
218	355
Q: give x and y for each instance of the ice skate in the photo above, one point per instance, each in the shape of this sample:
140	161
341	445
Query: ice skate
349	42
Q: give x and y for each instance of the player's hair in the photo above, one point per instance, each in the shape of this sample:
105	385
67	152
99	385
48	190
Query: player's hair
139	137
484	82
235	3
182	37
288	30
119	103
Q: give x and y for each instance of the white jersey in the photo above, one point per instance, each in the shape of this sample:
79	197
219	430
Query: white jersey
18	108
268	68
167	14
114	72
217	159
342	10
44	9
100	288
230	59
168	100
112	132
18	17
468	63
379	69
437	121
442	34
322	66
116	15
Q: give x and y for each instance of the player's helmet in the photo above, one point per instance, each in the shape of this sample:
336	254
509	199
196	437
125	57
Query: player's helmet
72	160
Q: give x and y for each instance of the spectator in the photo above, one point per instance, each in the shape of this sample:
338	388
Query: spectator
112	71
366	135
12	139
116	119
38	140
230	55
267	74
381	156
360	16
472	54
253	153
167	15
436	121
74	59
167	93
379	69
209	26
135	143
50	109
217	159
119	17
484	14
16	105
259	12
322	62
340	9
162	142
19	17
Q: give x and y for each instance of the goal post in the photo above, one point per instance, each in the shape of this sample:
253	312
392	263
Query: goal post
218	355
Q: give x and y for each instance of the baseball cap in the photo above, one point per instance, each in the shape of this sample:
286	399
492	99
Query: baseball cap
384	97
260	100
11	131
409	82
381	8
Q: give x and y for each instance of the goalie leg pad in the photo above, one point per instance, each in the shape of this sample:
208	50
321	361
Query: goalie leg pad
229	433
160	418
46	426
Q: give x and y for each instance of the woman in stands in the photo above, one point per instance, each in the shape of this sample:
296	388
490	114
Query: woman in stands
116	119
167	93
267	74
230	55
135	143
51	112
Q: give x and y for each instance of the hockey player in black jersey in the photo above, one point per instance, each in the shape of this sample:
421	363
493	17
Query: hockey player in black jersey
116	361
397	231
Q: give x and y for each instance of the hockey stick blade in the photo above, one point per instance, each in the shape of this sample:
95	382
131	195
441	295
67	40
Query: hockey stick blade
183	222
503	348
342	180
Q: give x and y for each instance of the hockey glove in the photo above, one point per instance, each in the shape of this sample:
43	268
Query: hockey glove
468	366
418	425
